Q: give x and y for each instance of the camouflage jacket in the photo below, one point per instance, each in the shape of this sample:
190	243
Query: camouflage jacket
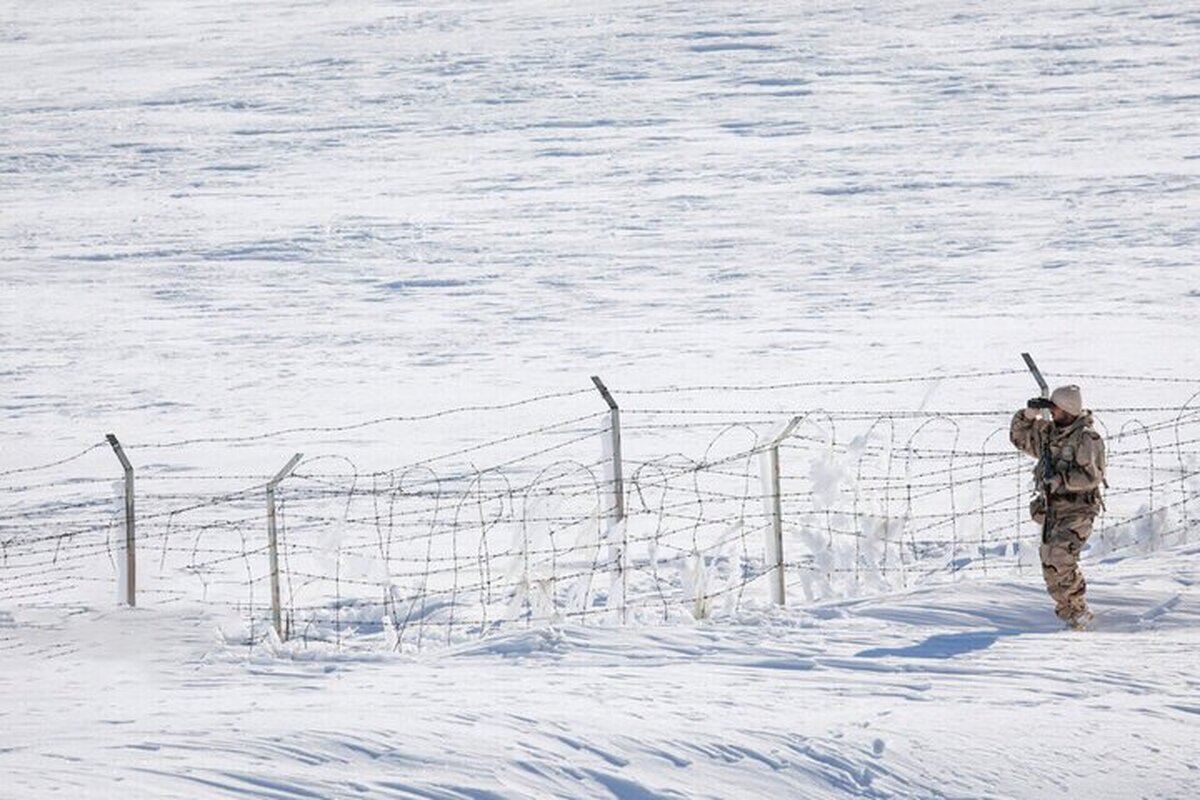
1076	458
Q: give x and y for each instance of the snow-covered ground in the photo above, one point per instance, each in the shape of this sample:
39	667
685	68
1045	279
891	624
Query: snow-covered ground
964	694
218	221
217	218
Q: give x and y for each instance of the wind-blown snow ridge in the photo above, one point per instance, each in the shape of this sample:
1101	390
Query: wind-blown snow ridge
888	697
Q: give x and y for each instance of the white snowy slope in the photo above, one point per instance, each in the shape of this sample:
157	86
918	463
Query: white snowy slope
964	692
214	219
219	220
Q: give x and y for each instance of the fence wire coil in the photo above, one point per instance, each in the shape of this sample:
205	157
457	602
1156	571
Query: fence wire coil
523	529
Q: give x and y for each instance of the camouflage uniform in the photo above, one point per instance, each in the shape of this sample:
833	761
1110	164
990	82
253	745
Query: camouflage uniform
1076	454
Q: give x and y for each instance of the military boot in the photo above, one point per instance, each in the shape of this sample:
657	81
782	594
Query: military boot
1081	620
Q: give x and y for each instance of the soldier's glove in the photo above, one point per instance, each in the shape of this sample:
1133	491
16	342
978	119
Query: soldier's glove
1033	407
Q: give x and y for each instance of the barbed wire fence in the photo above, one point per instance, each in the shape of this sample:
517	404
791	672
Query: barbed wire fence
547	525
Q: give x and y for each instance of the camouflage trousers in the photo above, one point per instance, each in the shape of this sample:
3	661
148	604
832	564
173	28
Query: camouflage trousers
1068	531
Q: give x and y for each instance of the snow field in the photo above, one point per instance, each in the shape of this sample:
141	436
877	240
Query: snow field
371	207
908	695
218	221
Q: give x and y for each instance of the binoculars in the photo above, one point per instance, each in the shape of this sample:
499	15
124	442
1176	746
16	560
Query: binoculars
1039	402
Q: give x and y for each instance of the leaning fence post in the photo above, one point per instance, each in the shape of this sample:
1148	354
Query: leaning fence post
775	543
130	541
1037	374
1046	415
273	543
617	512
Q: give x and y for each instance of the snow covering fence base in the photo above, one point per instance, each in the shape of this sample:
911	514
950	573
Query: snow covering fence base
723	511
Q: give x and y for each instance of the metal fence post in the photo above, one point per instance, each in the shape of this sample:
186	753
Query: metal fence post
617	512
1037	374
618	479
130	540
273	544
775	549
1044	462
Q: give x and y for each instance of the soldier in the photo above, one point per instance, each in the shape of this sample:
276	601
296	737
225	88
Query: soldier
1069	474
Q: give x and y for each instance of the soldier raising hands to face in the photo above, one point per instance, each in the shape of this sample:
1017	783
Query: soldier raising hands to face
1069	474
